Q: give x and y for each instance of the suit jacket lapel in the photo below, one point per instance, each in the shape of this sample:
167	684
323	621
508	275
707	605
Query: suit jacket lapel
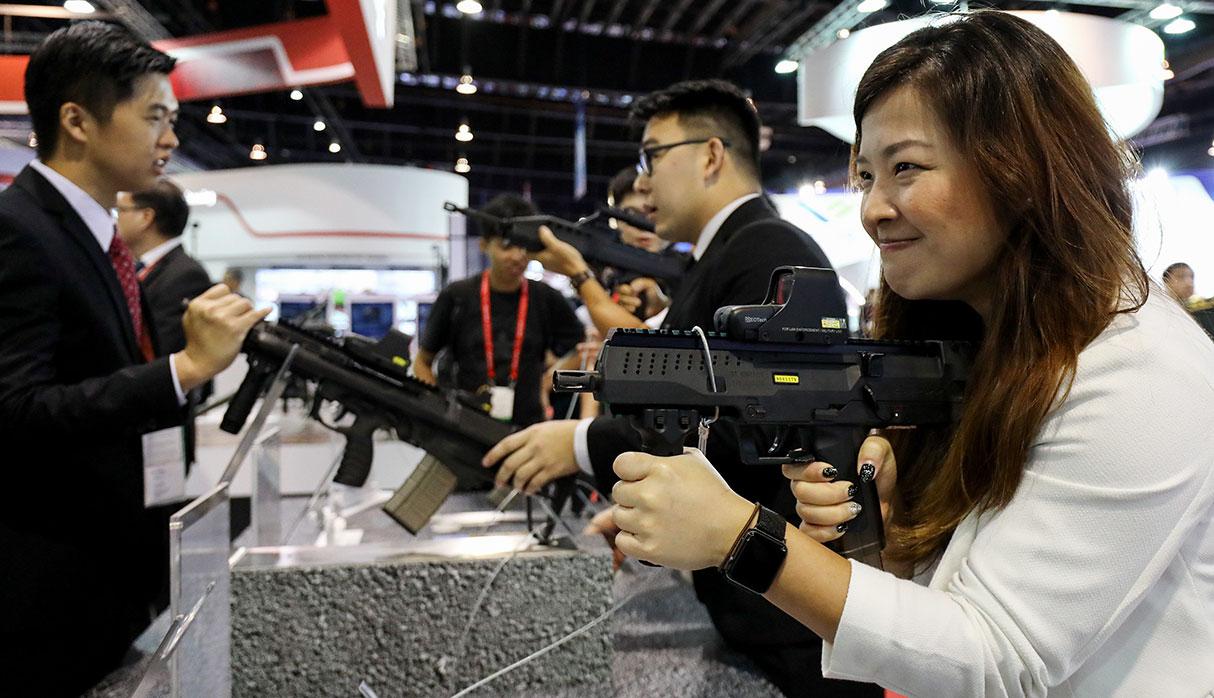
161	265
75	229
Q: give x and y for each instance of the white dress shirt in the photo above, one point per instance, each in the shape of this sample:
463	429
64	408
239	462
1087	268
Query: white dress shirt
581	448
158	252
1097	579
100	223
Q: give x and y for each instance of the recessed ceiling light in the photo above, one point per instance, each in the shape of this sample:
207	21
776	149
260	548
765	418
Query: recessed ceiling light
1180	25
1166	10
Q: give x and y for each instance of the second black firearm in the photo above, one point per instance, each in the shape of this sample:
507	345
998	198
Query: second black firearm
368	381
788	375
597	243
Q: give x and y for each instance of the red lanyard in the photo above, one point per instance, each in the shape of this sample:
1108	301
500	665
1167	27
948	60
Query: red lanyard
487	326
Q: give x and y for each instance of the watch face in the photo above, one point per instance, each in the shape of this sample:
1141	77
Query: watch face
757	561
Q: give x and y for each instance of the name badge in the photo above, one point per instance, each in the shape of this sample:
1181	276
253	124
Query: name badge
501	402
163	467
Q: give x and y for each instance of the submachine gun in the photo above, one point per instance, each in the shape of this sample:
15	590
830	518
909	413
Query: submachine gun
788	375
367	380
598	244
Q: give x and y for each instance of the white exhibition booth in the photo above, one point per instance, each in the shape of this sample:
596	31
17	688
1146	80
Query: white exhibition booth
318	229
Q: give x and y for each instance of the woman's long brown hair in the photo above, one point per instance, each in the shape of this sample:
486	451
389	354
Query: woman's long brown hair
1019	108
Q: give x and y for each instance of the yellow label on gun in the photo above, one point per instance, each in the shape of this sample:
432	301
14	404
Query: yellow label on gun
833	323
786	378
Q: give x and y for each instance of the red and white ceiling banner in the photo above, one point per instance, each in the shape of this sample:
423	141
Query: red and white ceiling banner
355	41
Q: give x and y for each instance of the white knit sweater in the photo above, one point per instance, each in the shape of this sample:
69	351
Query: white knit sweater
1097	579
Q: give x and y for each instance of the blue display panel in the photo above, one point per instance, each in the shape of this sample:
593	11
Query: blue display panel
371	318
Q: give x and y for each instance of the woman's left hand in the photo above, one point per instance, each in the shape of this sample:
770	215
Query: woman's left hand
675	511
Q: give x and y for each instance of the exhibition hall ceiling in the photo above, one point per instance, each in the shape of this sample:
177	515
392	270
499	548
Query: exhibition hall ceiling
537	63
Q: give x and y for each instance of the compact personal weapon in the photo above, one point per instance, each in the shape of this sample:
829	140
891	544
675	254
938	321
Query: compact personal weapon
788	375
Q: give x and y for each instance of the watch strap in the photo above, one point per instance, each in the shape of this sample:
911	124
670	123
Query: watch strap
580	278
771	523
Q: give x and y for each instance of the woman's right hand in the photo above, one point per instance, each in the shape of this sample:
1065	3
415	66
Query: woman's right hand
825	504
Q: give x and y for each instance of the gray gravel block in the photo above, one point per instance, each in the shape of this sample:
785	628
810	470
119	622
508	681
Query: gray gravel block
321	630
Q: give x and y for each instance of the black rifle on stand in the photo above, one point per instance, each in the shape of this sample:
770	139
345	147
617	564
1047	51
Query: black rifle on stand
368	381
788	375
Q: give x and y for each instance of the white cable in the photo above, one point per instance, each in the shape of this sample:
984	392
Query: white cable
545	650
712	376
445	667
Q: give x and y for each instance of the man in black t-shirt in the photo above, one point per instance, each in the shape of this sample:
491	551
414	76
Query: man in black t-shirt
527	320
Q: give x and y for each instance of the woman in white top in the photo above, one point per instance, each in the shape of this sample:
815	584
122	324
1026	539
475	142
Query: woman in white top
1059	535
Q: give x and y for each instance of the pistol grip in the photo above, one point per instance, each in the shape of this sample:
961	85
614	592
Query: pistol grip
356	459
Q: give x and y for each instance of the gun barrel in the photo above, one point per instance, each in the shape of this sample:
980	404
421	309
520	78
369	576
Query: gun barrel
575	381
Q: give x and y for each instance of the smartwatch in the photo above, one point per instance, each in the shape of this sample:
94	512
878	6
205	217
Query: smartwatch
758	554
580	278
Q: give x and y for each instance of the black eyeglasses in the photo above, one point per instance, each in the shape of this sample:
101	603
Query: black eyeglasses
646	155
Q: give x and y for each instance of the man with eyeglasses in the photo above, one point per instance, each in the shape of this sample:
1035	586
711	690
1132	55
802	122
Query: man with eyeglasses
699	175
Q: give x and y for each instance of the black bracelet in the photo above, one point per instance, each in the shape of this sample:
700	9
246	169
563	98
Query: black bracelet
580	278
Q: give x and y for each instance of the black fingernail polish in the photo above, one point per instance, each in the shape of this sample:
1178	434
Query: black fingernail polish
842	528
868	471
851	491
829	472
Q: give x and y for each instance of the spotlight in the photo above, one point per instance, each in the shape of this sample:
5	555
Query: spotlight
466	86
217	116
1180	25
843	33
318	125
870	6
786	65
462	166
80	7
1165	11
258	152
463	134
296	95
469	7
335	147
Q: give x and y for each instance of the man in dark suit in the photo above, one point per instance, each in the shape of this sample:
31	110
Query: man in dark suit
79	379
151	223
699	173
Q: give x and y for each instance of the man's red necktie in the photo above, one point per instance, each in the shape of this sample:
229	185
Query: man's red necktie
124	267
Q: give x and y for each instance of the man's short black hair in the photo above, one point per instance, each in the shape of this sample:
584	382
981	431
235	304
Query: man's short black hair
93	64
505	206
621	185
168	205
709	108
1174	268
